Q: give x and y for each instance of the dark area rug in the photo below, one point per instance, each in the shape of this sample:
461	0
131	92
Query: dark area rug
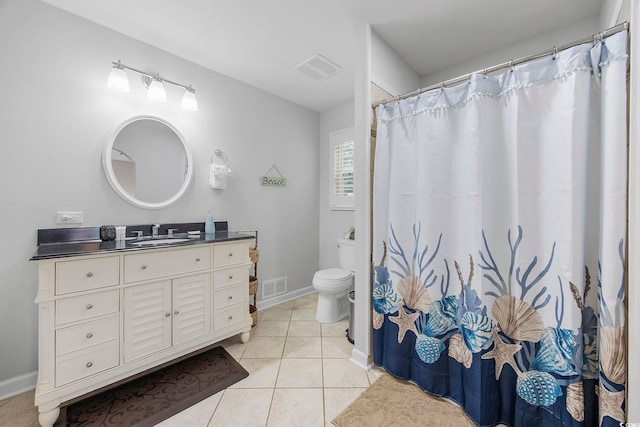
156	396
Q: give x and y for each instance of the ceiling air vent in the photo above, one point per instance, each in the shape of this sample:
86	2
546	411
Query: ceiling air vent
317	67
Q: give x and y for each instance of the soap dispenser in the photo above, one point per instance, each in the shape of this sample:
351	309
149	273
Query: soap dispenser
209	225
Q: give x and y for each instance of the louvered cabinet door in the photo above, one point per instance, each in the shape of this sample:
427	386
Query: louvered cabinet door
191	307
147	319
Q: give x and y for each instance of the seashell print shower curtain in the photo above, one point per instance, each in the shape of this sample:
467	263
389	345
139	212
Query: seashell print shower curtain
500	239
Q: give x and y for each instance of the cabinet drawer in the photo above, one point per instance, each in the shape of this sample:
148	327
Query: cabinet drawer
87	274
154	265
229	316
230	254
86	335
230	276
77	366
229	296
87	306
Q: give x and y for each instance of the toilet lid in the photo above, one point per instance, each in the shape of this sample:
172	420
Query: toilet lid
334	274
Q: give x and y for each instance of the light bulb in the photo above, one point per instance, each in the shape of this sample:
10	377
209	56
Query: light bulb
118	80
156	91
189	101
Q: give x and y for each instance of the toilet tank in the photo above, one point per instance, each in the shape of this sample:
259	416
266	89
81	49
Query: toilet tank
347	254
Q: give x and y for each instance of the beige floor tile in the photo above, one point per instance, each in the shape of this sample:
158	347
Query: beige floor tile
19	411
304	328
336	329
271	328
337	399
303	347
374	373
303	314
234	346
242	408
197	415
306	302
276	313
262	373
336	347
300	373
297	407
343	373
264	348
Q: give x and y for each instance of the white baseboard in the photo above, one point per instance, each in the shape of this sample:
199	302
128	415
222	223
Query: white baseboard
17	385
271	302
360	359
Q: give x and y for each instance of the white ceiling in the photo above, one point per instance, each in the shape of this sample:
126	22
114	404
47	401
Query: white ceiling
260	41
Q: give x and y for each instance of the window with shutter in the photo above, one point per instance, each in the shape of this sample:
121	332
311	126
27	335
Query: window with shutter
341	186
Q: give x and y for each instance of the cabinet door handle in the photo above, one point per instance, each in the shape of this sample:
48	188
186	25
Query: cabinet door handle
89	364
176	312
144	267
197	259
89	306
230	277
89	335
167	315
230	297
89	274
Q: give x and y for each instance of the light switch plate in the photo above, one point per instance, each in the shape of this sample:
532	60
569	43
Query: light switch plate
70	217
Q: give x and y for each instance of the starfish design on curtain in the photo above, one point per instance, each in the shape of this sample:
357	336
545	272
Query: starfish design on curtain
610	403
405	321
503	354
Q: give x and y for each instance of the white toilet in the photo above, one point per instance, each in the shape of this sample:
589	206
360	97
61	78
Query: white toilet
333	284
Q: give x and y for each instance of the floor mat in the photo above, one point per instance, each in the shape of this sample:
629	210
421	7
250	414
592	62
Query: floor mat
158	395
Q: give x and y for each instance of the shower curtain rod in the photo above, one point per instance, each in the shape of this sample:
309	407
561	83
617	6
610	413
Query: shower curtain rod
554	50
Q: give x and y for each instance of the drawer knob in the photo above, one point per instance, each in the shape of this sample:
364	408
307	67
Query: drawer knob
144	267
230	297
89	306
89	364
89	274
230	253
176	312
197	259
167	315
89	335
230	317
230	277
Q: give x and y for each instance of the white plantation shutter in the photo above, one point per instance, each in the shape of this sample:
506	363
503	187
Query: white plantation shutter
341	186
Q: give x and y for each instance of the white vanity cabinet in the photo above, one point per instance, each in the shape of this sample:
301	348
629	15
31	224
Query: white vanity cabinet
106	317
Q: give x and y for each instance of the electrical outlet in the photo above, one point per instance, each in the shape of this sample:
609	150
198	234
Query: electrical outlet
70	217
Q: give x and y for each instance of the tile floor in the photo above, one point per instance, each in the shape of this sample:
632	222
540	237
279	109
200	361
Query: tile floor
299	375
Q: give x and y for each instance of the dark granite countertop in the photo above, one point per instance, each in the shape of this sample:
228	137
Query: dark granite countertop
93	247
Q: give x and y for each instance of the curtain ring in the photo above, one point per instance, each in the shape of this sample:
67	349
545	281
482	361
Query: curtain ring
511	65
555	52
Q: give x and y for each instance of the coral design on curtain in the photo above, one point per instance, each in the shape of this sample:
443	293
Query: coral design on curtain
499	232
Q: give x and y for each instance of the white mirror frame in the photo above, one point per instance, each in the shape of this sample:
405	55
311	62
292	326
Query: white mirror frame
111	177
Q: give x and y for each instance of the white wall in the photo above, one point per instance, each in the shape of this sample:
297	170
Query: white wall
333	223
532	46
56	111
388	69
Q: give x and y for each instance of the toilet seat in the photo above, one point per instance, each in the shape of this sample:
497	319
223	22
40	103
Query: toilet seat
332	275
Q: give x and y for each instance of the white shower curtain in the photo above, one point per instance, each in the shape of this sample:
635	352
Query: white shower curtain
499	240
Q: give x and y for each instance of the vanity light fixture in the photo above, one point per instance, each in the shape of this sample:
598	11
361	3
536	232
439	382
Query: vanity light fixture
189	101
118	81
155	89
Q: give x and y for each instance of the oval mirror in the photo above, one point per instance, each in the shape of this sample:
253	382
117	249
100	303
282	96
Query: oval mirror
147	162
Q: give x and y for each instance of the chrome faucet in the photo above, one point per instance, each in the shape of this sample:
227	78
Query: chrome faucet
154	231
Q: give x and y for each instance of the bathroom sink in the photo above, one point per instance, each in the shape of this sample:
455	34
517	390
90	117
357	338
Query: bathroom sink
156	242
